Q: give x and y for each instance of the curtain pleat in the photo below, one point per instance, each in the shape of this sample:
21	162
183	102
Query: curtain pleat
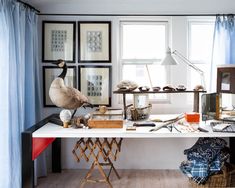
223	45
19	85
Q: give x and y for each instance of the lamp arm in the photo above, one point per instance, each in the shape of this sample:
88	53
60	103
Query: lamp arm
187	62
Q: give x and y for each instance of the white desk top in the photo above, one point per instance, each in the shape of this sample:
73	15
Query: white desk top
53	130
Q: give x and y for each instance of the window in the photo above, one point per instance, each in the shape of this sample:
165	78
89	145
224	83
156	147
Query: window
143	46
200	49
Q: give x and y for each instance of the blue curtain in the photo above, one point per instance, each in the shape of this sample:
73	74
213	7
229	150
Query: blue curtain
19	91
223	45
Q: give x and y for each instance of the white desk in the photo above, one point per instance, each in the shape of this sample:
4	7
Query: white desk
53	130
45	129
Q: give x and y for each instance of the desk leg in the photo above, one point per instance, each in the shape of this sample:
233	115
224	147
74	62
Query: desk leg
56	155
27	162
232	148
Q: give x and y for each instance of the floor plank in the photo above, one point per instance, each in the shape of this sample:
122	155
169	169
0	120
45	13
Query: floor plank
129	179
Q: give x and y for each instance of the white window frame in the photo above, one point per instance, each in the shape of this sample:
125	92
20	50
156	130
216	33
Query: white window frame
144	61
202	21
190	21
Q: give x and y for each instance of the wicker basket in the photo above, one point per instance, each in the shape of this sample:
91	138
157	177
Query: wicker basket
224	179
137	114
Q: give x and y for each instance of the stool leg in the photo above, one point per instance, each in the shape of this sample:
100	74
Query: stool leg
104	175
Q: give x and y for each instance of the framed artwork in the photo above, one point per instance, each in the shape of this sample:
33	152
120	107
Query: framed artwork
58	41
226	79
95	83
49	74
94	42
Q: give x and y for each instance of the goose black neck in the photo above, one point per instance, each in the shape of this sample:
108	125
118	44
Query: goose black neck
64	72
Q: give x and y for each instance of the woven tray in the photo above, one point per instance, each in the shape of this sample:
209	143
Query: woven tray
224	179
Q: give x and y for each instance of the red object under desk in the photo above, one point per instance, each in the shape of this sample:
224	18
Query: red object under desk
39	145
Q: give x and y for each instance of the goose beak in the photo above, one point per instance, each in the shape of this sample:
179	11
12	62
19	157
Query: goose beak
59	63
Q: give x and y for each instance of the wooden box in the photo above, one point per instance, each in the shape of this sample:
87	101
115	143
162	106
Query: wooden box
109	119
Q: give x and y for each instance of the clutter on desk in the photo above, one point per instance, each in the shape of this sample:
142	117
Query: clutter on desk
112	118
144	88
102	109
169	124
136	114
140	109
223	126
168	88
198	88
206	160
156	88
130	128
144	124
180	88
192	117
80	121
65	117
127	85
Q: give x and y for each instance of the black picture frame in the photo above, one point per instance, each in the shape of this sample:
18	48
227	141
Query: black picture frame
94	41
48	77
95	82
58	41
226	79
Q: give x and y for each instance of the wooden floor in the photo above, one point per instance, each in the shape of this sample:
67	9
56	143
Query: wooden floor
129	179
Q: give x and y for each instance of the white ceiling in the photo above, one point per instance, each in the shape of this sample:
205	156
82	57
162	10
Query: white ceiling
134	6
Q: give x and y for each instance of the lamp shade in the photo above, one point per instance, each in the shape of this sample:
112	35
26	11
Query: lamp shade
169	60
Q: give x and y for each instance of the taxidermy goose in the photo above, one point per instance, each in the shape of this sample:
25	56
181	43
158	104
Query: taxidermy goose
64	96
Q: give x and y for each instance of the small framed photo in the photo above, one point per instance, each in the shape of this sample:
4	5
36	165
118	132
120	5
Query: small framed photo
49	74
226	79
95	83
58	41
94	42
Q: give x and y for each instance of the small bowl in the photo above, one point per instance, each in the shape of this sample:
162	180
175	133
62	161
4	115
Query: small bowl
157	88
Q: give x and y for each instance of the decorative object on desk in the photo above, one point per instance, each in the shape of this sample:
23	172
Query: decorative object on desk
127	85
144	88
180	88
169	60
198	88
81	121
192	117
112	118
94	41
156	88
210	106
141	113
102	109
96	82
64	96
226	79
141	107
65	117
58	41
224	126
168	88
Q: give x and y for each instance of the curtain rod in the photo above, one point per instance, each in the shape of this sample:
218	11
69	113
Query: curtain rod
47	14
29	6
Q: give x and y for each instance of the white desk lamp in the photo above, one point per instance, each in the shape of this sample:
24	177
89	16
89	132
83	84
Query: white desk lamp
169	60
